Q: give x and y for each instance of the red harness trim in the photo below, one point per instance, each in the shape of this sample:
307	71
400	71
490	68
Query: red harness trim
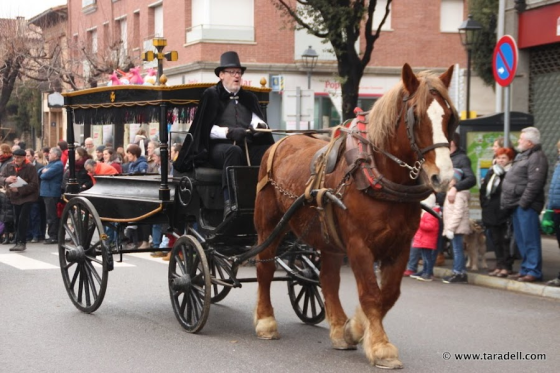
370	176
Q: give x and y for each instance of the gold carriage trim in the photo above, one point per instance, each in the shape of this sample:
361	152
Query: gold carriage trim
132	220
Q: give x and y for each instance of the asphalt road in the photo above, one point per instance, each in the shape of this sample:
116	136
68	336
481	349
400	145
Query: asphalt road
135	329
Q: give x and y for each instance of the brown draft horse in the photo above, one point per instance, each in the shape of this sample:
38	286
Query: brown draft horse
371	229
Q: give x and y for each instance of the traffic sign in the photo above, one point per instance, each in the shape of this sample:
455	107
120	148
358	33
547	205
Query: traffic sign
504	62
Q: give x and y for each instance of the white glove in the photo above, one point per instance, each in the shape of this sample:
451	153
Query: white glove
449	234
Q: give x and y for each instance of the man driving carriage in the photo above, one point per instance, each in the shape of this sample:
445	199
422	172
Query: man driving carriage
221	130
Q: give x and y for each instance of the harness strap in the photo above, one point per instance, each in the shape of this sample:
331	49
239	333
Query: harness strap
326	217
317	178
266	178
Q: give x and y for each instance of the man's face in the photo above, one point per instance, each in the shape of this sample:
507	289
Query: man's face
53	156
524	144
130	157
99	155
89	144
28	156
151	148
231	78
19	159
90	169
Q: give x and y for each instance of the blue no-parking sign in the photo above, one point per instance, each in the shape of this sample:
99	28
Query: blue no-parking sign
504	62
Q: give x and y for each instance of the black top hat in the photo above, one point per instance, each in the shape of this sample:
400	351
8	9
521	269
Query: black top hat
229	59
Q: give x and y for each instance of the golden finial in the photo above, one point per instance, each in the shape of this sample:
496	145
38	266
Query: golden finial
162	79
263	82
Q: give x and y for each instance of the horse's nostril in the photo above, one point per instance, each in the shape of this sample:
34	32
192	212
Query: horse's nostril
435	180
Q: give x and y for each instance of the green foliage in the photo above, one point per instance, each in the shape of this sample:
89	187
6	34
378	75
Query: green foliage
25	106
484	12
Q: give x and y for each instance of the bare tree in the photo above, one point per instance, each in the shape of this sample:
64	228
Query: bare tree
340	22
52	62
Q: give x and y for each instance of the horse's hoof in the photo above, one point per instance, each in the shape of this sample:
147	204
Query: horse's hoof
341	344
267	328
388	364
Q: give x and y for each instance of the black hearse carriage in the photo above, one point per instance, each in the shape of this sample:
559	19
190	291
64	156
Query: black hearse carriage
206	255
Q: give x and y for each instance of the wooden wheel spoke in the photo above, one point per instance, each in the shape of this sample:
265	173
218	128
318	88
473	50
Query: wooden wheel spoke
91	283
300	294
93	271
80	283
183	302
75	276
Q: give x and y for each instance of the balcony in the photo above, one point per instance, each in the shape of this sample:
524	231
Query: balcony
220	33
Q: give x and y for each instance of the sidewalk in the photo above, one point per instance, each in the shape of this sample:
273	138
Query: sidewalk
550	268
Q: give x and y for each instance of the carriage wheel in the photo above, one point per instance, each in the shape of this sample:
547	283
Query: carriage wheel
305	296
83	254
189	283
220	269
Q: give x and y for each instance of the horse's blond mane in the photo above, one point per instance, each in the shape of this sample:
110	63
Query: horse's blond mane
384	114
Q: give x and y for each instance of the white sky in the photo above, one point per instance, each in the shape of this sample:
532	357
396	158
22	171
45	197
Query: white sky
26	8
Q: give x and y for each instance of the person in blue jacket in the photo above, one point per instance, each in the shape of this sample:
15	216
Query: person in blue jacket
554	205
138	163
50	189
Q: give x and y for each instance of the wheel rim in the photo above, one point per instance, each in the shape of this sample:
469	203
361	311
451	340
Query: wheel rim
305	297
222	270
189	283
83	258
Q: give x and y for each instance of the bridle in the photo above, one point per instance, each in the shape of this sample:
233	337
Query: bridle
410	121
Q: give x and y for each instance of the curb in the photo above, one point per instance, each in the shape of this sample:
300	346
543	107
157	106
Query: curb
504	284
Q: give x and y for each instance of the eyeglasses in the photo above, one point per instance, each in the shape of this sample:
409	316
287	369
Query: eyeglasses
234	73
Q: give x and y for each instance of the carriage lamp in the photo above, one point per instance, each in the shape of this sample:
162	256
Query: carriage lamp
309	58
469	31
160	43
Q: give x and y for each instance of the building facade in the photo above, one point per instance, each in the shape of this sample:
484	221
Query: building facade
535	24
423	33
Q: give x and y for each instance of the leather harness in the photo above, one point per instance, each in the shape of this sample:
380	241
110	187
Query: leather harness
358	152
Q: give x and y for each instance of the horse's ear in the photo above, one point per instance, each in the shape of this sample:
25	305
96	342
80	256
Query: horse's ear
446	76
410	81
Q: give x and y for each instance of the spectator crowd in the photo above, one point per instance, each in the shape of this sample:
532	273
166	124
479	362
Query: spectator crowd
32	183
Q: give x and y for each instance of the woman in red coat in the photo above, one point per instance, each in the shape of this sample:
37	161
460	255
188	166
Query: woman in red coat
426	239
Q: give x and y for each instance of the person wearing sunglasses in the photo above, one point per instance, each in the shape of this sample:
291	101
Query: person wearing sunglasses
223	128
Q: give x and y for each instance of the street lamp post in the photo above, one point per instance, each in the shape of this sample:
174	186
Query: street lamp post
309	58
468	31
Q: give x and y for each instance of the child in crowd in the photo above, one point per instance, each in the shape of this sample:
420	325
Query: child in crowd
455	225
425	240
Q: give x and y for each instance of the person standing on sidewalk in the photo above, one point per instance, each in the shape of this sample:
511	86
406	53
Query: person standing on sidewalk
554	205
523	192
455	225
494	218
51	188
23	196
425	240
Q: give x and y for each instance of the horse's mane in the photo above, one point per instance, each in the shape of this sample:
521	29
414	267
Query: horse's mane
385	112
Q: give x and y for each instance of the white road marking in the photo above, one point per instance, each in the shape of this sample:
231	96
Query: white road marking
117	264
23	262
147	256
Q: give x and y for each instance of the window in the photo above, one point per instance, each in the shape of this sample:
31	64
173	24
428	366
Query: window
89	6
136	30
122	37
212	20
451	15
379	14
158	21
